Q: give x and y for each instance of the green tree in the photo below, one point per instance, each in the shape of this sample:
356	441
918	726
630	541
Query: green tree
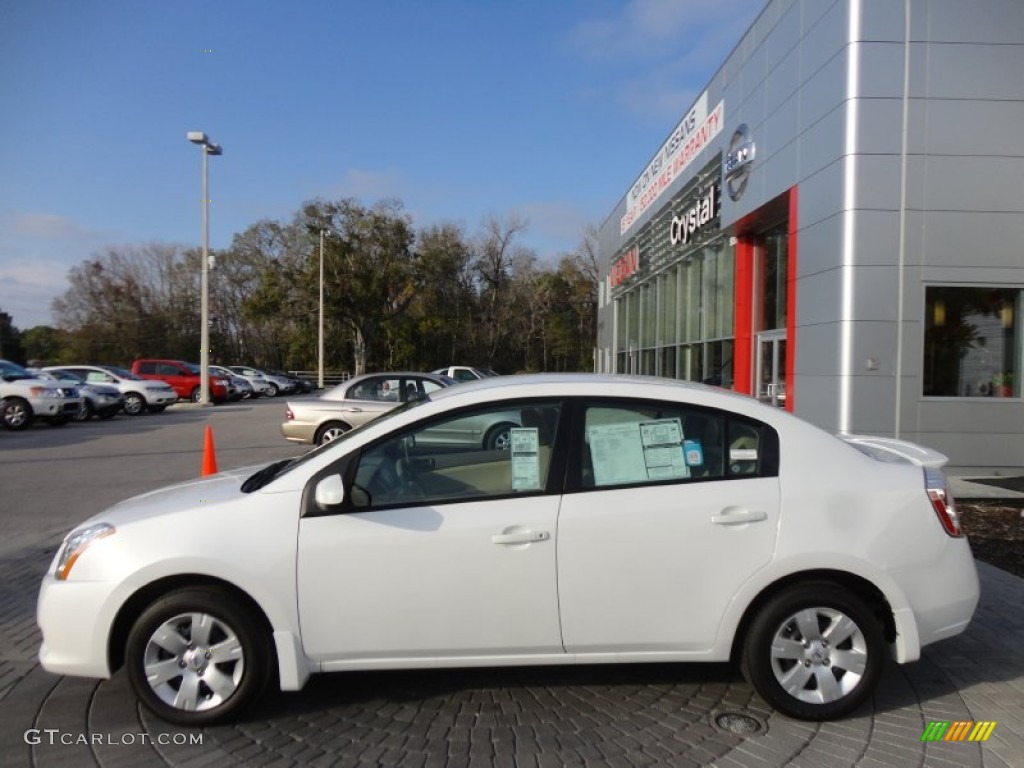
371	273
10	340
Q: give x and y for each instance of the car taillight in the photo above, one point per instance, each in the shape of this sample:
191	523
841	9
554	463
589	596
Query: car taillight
288	414
943	502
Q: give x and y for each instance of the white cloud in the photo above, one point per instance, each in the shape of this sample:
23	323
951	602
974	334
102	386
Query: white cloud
369	185
38	250
45	225
662	52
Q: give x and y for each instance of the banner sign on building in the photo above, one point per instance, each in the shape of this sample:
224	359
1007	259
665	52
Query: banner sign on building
625	267
694	132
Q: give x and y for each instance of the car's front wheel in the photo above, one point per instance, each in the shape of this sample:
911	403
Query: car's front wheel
196	395
274	390
84	412
198	656
17	414
134	404
814	651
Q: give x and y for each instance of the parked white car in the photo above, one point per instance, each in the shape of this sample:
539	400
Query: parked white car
465	372
25	397
630	519
140	394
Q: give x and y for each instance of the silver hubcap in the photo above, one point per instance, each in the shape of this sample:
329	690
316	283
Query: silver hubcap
133	404
503	439
819	655
194	662
331	434
15	414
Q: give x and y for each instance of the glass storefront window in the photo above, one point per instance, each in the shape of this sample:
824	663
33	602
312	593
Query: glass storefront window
773	267
667	293
648	314
972	342
691	271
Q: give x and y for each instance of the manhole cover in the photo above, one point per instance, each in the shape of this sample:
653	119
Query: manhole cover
739	723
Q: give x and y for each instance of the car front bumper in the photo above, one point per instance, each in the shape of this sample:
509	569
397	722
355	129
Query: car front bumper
70	616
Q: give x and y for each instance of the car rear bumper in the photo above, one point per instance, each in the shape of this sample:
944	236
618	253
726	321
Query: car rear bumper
298	432
941	599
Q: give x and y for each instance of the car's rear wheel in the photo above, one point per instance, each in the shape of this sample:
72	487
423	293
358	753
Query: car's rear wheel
499	437
134	404
84	412
814	651
332	430
274	391
197	393
17	414
198	656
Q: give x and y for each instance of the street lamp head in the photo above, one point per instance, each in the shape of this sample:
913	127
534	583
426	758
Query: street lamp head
214	149
197	137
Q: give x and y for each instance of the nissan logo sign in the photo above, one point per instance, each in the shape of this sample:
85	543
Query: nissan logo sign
738	162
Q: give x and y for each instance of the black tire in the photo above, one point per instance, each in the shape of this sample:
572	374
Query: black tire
243	677
134	404
499	437
823	640
85	412
157	408
274	390
196	394
329	432
17	414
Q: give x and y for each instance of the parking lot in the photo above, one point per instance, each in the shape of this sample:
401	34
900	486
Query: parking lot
678	715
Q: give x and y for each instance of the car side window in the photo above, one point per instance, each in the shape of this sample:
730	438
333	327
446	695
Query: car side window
430	386
464	375
149	368
486	453
624	445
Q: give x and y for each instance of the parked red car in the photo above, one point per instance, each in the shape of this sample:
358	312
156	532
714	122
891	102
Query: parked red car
184	377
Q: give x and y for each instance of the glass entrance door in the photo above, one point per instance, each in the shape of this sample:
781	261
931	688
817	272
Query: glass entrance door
771	368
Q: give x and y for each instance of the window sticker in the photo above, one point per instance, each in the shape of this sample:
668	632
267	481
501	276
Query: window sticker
525	458
616	453
663	453
743	454
694	453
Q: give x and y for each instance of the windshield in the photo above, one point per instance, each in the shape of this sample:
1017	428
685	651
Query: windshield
278	468
13	372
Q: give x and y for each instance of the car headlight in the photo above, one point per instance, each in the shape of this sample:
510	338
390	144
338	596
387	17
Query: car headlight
45	392
76	544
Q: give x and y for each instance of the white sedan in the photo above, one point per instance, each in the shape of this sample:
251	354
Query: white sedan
629	520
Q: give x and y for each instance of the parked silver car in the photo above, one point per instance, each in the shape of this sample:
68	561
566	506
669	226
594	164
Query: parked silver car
238	386
139	394
364	398
276	385
100	400
355	402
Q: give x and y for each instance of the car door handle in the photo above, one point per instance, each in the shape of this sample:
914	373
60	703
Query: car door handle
522	537
738	516
353	410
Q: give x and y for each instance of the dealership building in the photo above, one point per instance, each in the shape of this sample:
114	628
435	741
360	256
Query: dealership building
836	226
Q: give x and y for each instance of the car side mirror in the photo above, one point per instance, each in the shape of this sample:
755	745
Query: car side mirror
330	492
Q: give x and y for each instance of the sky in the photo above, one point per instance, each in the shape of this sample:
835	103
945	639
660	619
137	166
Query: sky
542	109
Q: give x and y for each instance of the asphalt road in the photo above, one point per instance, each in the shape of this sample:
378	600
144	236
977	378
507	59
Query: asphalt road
628	715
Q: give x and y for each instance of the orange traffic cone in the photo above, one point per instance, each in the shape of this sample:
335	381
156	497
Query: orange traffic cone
209	458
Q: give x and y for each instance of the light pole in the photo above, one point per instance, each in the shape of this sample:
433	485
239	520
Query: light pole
209	148
320	340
